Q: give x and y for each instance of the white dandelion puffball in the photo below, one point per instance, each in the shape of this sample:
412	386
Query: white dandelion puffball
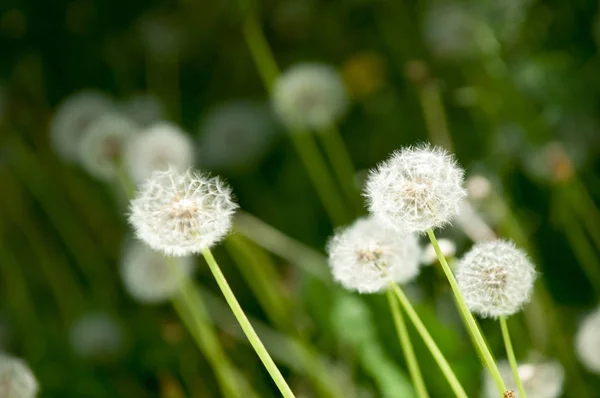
181	213
495	278
149	277
158	147
71	119
103	142
429	256
16	378
96	336
367	256
144	109
309	96
540	380
587	342
236	135
416	189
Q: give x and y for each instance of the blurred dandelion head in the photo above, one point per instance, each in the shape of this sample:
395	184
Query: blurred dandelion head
416	189
540	380
587	342
496	278
102	144
309	96
236	135
144	109
157	148
367	256
181	213
96	336
149	277
16	378
72	117
478	187
429	256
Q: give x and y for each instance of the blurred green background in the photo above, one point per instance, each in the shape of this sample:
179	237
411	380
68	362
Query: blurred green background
520	86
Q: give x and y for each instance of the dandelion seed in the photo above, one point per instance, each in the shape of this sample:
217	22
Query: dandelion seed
416	189
102	143
540	380
495	278
16	378
309	96
96	336
587	342
158	147
367	256
181	213
72	117
429	256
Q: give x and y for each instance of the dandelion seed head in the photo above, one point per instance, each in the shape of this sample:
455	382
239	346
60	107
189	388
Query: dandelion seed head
496	278
429	256
540	380
16	378
309	96
587	342
96	336
416	189
149	277
181	213
102	144
72	117
367	255
158	147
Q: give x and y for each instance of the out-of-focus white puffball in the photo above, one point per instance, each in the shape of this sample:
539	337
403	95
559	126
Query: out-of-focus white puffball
587	342
96	336
235	136
429	256
16	378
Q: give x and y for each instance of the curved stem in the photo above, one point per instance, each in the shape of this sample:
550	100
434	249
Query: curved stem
407	348
237	310
430	343
468	317
510	353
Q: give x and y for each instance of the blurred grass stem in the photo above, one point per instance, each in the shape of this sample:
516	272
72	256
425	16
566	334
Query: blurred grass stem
510	353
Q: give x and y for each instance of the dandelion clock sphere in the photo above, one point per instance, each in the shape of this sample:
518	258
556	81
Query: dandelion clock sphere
416	189
367	256
495	278
587	342
182	213
16	379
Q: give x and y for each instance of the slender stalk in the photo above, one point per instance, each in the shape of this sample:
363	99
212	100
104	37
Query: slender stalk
407	348
468	317
430	343
434	114
258	346
510	353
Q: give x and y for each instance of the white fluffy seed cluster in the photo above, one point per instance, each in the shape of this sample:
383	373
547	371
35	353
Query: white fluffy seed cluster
102	144
496	278
72	117
587	342
540	380
309	96
160	146
416	189
16	378
182	213
366	256
149	277
429	256
96	336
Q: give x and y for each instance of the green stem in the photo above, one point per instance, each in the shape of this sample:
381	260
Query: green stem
434	115
407	348
246	326
468	317
430	343
510	353
342	166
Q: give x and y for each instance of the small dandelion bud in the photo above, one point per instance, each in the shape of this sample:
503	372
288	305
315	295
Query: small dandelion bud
309	96
181	213
587	342
71	119
540	380
495	278
367	256
429	255
16	378
159	147
149	277
416	189
96	336
103	142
